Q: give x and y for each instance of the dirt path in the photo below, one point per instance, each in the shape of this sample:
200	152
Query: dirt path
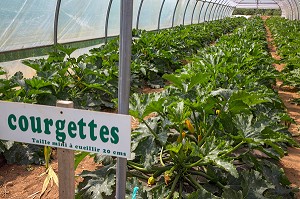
291	162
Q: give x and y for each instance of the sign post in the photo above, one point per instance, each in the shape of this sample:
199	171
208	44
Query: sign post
66	176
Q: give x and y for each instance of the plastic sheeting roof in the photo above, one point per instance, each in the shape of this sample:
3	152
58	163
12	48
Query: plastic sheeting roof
35	23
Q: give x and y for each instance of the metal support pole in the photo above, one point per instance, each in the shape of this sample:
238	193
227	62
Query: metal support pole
56	21
206	11
173	18
107	20
194	11
138	15
203	2
183	18
124	83
160	11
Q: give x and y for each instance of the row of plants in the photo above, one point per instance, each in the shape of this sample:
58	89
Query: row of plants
91	80
286	34
253	11
217	131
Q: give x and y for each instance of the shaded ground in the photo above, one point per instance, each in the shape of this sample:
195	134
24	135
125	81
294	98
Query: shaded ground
20	182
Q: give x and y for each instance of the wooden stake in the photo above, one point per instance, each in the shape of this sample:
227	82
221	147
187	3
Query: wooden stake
66	173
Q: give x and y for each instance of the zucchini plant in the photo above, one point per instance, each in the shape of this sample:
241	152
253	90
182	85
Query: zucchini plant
215	132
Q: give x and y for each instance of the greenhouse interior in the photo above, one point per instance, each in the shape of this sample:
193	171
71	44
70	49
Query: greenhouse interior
204	96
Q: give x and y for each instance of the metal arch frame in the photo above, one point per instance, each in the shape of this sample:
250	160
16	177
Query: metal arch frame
298	4
291	14
231	10
291	9
212	8
138	15
288	7
206	11
226	10
296	16
297	7
222	11
283	7
194	11
222	5
294	12
173	18
160	11
187	4
215	3
218	8
278	5
203	2
107	19
55	28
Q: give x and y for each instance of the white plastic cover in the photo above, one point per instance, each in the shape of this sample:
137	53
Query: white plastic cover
167	14
189	12
149	14
26	24
179	12
82	20
114	19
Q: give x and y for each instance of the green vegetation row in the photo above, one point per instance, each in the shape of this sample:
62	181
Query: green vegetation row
286	34
215	132
91	80
265	12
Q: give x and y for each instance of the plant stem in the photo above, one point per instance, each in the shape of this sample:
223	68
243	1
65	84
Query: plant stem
180	189
134	163
160	157
173	186
194	182
196	123
206	134
208	177
198	163
190	183
234	148
129	173
140	168
151	130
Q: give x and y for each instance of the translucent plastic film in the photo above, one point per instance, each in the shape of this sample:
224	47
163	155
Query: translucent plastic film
189	12
149	14
26	24
167	14
30	23
82	20
180	12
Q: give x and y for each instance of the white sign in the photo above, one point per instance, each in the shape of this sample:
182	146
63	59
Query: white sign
96	132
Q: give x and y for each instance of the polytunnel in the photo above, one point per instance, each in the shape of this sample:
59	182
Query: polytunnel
32	24
198	81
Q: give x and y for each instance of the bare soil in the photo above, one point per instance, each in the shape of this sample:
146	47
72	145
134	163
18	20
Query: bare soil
291	162
19	182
